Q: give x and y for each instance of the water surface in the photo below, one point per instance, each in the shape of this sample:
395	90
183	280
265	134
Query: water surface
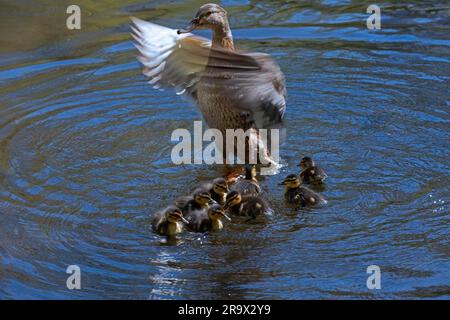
85	156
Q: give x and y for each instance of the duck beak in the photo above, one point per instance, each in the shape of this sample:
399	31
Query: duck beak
212	201
191	26
282	183
226	217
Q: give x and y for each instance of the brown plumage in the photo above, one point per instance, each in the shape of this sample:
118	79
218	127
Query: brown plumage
234	90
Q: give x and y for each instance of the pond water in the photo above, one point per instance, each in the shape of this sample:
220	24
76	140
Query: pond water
85	156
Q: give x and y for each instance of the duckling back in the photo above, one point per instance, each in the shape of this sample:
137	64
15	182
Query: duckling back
251	206
199	221
313	175
304	196
246	187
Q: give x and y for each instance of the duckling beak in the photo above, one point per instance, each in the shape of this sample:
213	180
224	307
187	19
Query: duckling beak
226	217
184	220
191	26
212	201
227	190
282	183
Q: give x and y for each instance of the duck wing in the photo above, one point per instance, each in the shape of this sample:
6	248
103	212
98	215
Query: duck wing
252	81
170	59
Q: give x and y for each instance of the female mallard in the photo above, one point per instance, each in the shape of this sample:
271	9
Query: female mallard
298	194
169	221
248	206
249	185
207	220
311	174
234	90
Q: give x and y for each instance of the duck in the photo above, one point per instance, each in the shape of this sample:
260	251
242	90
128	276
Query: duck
310	172
246	205
218	190
169	222
249	185
298	194
233	89
207	220
199	200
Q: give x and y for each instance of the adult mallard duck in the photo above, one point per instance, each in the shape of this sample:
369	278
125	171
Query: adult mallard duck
234	90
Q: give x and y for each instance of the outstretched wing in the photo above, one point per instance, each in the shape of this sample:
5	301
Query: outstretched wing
170	59
252	81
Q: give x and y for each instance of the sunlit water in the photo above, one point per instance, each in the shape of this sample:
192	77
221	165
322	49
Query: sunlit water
85	156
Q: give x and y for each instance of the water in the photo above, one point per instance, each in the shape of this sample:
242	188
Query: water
85	156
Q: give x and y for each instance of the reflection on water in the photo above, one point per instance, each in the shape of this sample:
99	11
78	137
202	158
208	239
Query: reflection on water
85	156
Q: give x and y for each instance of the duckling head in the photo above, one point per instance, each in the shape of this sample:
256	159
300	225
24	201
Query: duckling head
233	198
209	16
250	172
306	162
202	197
216	212
291	181
174	215
220	186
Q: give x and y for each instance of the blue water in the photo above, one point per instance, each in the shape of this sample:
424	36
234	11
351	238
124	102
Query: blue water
85	156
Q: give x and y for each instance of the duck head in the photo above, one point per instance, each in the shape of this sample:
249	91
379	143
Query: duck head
216	212
209	16
291	181
306	162
250	172
202	197
220	186
233	198
174	215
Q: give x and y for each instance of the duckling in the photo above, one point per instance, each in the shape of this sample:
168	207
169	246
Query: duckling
218	190
310	172
169	221
246	205
211	220
298	194
199	200
249	185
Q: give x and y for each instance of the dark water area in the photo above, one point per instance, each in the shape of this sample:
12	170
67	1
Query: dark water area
85	156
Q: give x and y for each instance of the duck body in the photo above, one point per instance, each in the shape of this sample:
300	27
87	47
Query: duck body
168	222
249	185
247	206
198	201
207	220
303	196
233	90
298	194
311	173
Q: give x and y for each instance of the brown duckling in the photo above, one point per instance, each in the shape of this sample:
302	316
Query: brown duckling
249	185
199	200
168	222
298	194
210	220
311	174
246	205
218	190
